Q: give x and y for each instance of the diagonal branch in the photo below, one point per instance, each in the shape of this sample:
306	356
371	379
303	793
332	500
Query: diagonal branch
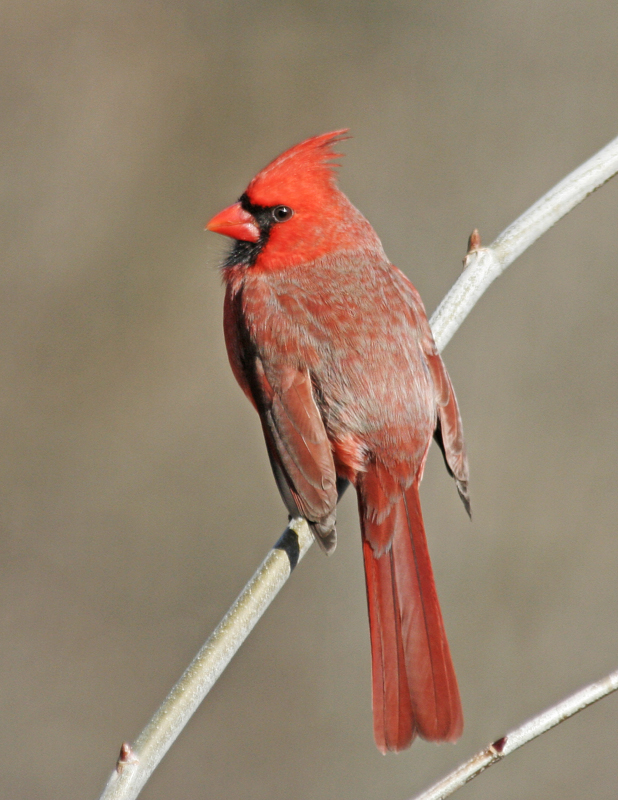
486	264
516	738
483	265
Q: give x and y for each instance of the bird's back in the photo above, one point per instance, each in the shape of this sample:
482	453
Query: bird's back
358	325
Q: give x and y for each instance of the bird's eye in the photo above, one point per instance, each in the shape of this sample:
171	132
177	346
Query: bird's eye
281	213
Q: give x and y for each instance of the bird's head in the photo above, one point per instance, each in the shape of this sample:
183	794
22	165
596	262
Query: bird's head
293	212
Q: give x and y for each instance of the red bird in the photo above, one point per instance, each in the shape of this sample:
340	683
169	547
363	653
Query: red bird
331	344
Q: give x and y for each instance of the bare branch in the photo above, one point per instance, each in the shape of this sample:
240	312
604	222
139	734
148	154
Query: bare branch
520	736
482	267
202	673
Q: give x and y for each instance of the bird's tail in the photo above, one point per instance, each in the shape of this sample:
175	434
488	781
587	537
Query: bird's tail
414	686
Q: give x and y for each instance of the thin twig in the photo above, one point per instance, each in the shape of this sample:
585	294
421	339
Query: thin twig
520	736
483	265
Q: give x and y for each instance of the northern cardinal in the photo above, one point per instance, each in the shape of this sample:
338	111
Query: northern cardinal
331	344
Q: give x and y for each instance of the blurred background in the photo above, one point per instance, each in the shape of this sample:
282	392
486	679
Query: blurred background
136	497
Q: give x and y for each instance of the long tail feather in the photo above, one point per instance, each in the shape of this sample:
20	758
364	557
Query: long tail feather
414	685
393	720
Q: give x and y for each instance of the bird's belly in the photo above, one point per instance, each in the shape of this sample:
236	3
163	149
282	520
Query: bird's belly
384	415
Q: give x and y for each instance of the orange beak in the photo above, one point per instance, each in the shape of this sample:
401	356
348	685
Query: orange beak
235	222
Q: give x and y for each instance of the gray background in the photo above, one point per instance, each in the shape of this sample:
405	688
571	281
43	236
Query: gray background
135	492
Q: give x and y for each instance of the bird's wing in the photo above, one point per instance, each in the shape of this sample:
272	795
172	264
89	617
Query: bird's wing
298	446
449	431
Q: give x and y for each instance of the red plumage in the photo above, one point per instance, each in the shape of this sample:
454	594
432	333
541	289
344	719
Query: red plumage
331	344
